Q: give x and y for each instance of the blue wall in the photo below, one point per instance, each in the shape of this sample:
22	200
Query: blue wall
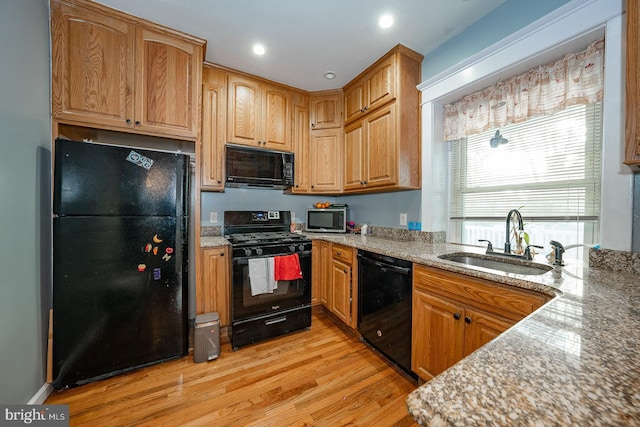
377	209
506	19
25	186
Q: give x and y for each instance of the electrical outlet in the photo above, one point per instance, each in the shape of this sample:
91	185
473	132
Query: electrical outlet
213	217
403	219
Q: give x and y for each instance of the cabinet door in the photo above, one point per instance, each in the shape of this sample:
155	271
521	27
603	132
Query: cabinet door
326	297
341	290
244	111
213	131
354	102
316	272
326	111
213	294
325	158
168	71
276	130
380	151
437	334
480	328
381	85
301	148
353	150
632	111
92	66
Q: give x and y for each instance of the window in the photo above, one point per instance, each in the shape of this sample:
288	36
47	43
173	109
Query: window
549	169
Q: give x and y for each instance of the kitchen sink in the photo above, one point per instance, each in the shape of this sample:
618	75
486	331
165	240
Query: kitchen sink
507	265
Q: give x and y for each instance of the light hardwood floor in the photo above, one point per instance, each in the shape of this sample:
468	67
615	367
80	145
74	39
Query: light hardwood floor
320	377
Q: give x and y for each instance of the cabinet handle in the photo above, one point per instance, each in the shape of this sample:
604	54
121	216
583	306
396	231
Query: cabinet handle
128	121
467	319
137	122
365	183
456	316
312	186
219	182
313	125
338	253
221	253
344	271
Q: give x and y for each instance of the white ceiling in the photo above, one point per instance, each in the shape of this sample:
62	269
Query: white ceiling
305	38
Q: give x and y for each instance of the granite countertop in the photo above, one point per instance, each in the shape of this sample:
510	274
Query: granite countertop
212	241
574	361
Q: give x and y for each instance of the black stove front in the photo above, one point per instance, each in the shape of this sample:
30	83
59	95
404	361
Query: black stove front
262	307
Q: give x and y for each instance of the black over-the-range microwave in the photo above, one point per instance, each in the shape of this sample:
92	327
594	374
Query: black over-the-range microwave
257	168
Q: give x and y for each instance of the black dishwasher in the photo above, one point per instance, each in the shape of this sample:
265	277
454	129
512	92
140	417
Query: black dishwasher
384	306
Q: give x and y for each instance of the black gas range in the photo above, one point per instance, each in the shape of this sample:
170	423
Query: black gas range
257	238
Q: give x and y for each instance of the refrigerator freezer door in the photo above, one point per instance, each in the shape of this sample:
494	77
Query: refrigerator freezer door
119	301
95	179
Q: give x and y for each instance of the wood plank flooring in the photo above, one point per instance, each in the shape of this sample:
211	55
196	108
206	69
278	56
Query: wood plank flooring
320	377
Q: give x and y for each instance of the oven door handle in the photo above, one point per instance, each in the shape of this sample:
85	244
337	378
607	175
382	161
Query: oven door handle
245	258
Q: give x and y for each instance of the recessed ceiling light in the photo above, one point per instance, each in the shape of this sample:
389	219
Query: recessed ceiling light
385	21
258	49
330	75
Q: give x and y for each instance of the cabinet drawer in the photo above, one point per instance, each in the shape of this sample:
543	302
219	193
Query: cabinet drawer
344	253
492	297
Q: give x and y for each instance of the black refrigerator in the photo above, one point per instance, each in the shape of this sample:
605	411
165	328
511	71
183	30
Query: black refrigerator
120	253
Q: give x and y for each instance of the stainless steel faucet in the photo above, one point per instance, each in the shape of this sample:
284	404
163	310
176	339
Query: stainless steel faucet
507	244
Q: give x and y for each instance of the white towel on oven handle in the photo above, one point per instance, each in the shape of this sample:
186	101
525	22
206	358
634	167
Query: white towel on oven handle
262	275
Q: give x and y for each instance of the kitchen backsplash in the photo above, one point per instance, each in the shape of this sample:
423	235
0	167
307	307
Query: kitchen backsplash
628	262
211	231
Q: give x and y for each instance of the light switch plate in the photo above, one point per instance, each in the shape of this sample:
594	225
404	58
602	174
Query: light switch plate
213	217
403	219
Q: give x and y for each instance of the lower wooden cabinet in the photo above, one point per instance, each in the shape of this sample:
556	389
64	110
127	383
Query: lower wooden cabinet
333	280
454	315
212	294
341	287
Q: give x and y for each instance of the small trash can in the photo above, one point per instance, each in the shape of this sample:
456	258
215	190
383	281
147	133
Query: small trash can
206	337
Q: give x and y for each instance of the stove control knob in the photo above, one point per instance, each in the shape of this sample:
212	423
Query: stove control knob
247	252
292	248
301	248
259	251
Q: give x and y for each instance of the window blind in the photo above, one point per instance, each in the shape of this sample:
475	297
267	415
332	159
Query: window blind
550	168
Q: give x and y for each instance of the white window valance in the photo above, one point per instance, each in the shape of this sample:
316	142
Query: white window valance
577	78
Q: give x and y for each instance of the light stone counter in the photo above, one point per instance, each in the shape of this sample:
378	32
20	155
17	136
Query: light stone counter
212	241
573	362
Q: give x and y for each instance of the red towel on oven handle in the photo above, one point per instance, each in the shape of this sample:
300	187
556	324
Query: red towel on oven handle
287	267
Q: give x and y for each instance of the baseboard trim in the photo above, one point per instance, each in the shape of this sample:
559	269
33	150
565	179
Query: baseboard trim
41	395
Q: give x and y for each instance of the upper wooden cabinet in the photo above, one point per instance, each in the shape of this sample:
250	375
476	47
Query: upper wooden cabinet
318	144
301	143
370	151
632	112
258	113
326	110
373	89
114	71
382	125
325	154
214	122
168	79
